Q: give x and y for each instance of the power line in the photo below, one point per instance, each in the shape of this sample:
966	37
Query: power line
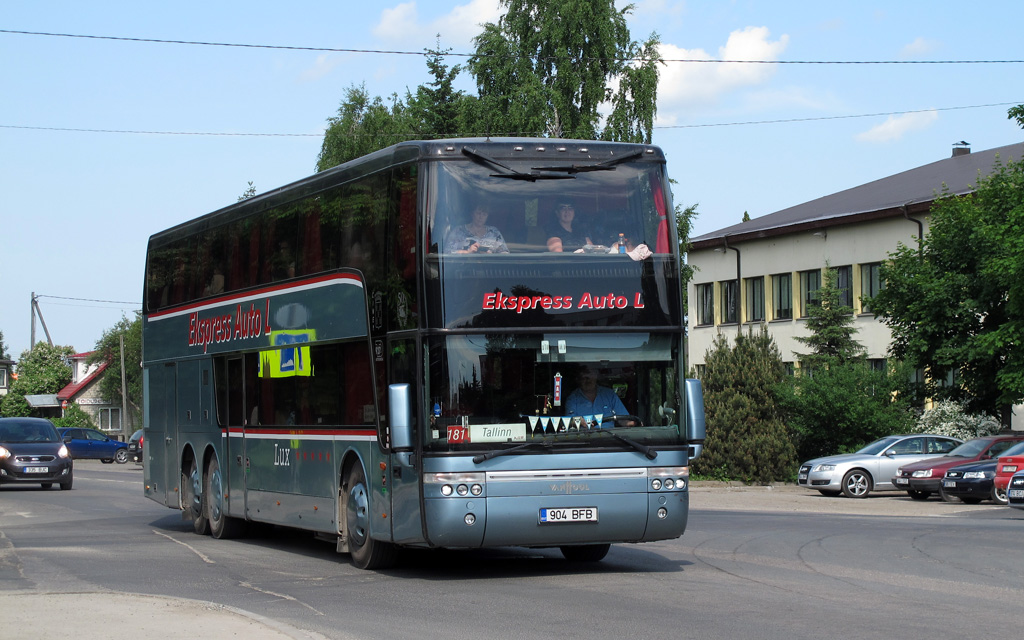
136	304
411	136
470	55
862	115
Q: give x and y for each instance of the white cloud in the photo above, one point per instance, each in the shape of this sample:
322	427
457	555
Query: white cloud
920	47
684	84
895	127
457	28
322	66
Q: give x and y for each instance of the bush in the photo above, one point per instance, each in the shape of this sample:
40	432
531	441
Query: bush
950	418
74	417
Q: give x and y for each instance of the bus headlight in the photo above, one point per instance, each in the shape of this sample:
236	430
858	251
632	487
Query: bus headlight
462	490
470	519
447	490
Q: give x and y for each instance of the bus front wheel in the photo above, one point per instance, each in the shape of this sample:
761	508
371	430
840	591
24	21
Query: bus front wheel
367	553
192	499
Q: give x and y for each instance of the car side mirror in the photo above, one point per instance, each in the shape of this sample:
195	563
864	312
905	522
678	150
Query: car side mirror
67	439
889	454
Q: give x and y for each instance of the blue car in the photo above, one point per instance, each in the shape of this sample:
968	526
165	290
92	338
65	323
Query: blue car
92	444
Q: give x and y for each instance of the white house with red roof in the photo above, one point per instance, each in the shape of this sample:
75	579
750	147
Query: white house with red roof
84	390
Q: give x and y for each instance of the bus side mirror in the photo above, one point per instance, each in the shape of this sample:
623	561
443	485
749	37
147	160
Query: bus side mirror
400	411
695	429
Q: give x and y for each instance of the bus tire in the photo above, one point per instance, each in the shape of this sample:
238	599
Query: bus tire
366	552
585	552
192	499
222	526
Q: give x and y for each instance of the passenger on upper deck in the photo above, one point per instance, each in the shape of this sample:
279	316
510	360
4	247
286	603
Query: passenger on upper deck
565	234
476	236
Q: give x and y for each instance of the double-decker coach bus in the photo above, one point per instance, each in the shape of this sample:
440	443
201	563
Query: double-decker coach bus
387	353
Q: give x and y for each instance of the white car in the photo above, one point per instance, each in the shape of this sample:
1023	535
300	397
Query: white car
872	468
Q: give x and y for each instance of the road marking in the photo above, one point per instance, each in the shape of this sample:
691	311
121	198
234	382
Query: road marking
248	585
202	555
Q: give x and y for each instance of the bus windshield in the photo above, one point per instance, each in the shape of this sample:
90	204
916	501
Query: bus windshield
487	391
612	209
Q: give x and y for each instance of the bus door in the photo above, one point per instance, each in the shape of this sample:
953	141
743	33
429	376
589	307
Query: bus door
406	525
161	450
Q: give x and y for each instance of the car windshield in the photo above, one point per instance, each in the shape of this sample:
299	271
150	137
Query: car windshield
969	449
878	446
1015	450
27	431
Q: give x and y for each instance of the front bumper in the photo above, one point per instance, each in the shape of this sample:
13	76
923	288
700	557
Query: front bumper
12	472
930	485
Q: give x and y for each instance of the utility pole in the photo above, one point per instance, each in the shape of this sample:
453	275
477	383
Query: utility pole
124	397
37	311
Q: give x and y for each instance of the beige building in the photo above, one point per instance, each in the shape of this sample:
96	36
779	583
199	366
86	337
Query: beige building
766	270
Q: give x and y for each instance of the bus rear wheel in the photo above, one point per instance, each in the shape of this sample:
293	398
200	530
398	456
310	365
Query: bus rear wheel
585	552
367	553
222	526
192	499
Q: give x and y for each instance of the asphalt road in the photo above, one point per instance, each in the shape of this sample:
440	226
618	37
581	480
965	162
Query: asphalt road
101	561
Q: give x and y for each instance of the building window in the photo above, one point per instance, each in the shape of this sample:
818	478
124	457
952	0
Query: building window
705	304
877	364
810	282
109	419
790	368
699	370
870	283
730	301
3	377
782	296
755	299
844	282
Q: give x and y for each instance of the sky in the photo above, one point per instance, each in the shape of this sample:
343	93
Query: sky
104	142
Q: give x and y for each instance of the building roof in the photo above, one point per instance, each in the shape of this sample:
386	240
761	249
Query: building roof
71	390
908	192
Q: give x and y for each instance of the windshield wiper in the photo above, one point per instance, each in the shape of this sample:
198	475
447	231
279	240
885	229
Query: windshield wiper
513	174
649	452
607	165
519	447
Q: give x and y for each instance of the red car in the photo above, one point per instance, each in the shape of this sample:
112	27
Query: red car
922	479
1009	464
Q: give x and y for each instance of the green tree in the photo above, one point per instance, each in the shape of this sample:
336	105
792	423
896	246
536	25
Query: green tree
363	125
840	408
548	65
684	225
42	370
108	349
437	109
74	416
955	306
746	436
1016	113
248	193
830	326
838	403
4	355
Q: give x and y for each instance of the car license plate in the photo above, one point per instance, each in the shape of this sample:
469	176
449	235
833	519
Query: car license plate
568	514
1015	493
802	476
37	469
949	484
902	481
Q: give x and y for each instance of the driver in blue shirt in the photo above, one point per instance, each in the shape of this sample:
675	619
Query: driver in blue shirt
590	399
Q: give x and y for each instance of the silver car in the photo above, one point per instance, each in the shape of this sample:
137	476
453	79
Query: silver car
872	468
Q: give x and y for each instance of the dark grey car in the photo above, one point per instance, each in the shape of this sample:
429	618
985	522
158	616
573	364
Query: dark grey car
32	452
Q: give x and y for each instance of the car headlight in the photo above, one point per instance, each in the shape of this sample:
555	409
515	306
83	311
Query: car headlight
977	474
63	451
825	467
922	473
4	453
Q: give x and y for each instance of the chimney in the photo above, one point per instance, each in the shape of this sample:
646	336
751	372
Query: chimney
961	148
